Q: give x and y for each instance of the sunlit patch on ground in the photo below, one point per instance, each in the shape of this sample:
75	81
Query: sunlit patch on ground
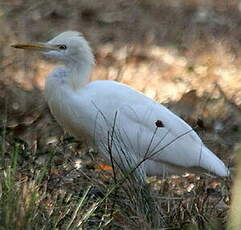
183	53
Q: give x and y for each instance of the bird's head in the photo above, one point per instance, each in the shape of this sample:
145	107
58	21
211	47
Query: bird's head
68	47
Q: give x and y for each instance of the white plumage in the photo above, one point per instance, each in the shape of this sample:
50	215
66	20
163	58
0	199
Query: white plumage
110	115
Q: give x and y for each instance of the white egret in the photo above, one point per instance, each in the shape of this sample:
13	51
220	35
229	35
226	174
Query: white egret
120	122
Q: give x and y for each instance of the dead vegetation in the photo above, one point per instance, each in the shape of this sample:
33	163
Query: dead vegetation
185	54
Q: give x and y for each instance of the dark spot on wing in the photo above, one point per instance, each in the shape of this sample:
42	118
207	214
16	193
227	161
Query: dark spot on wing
159	124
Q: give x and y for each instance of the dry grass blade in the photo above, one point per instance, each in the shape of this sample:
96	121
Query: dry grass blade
80	204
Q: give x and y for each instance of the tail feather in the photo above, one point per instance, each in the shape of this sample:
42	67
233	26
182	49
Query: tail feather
212	163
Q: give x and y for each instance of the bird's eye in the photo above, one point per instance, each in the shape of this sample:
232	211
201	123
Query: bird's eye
62	47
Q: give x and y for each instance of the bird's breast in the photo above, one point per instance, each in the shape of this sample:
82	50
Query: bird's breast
67	109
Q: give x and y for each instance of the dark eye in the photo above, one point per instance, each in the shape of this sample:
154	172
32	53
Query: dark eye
62	47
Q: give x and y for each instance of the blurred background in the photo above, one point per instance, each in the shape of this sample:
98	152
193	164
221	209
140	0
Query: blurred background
185	54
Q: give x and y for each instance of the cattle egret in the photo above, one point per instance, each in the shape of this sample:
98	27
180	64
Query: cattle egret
121	123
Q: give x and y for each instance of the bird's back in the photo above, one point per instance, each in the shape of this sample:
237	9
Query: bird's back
104	110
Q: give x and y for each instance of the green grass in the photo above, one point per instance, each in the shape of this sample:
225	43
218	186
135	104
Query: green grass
29	201
36	196
26	201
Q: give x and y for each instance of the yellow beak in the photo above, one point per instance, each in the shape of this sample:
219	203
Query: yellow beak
35	46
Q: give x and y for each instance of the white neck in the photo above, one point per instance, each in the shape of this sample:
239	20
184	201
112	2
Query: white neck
79	74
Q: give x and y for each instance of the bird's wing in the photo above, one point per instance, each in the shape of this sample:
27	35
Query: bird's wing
163	136
134	117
